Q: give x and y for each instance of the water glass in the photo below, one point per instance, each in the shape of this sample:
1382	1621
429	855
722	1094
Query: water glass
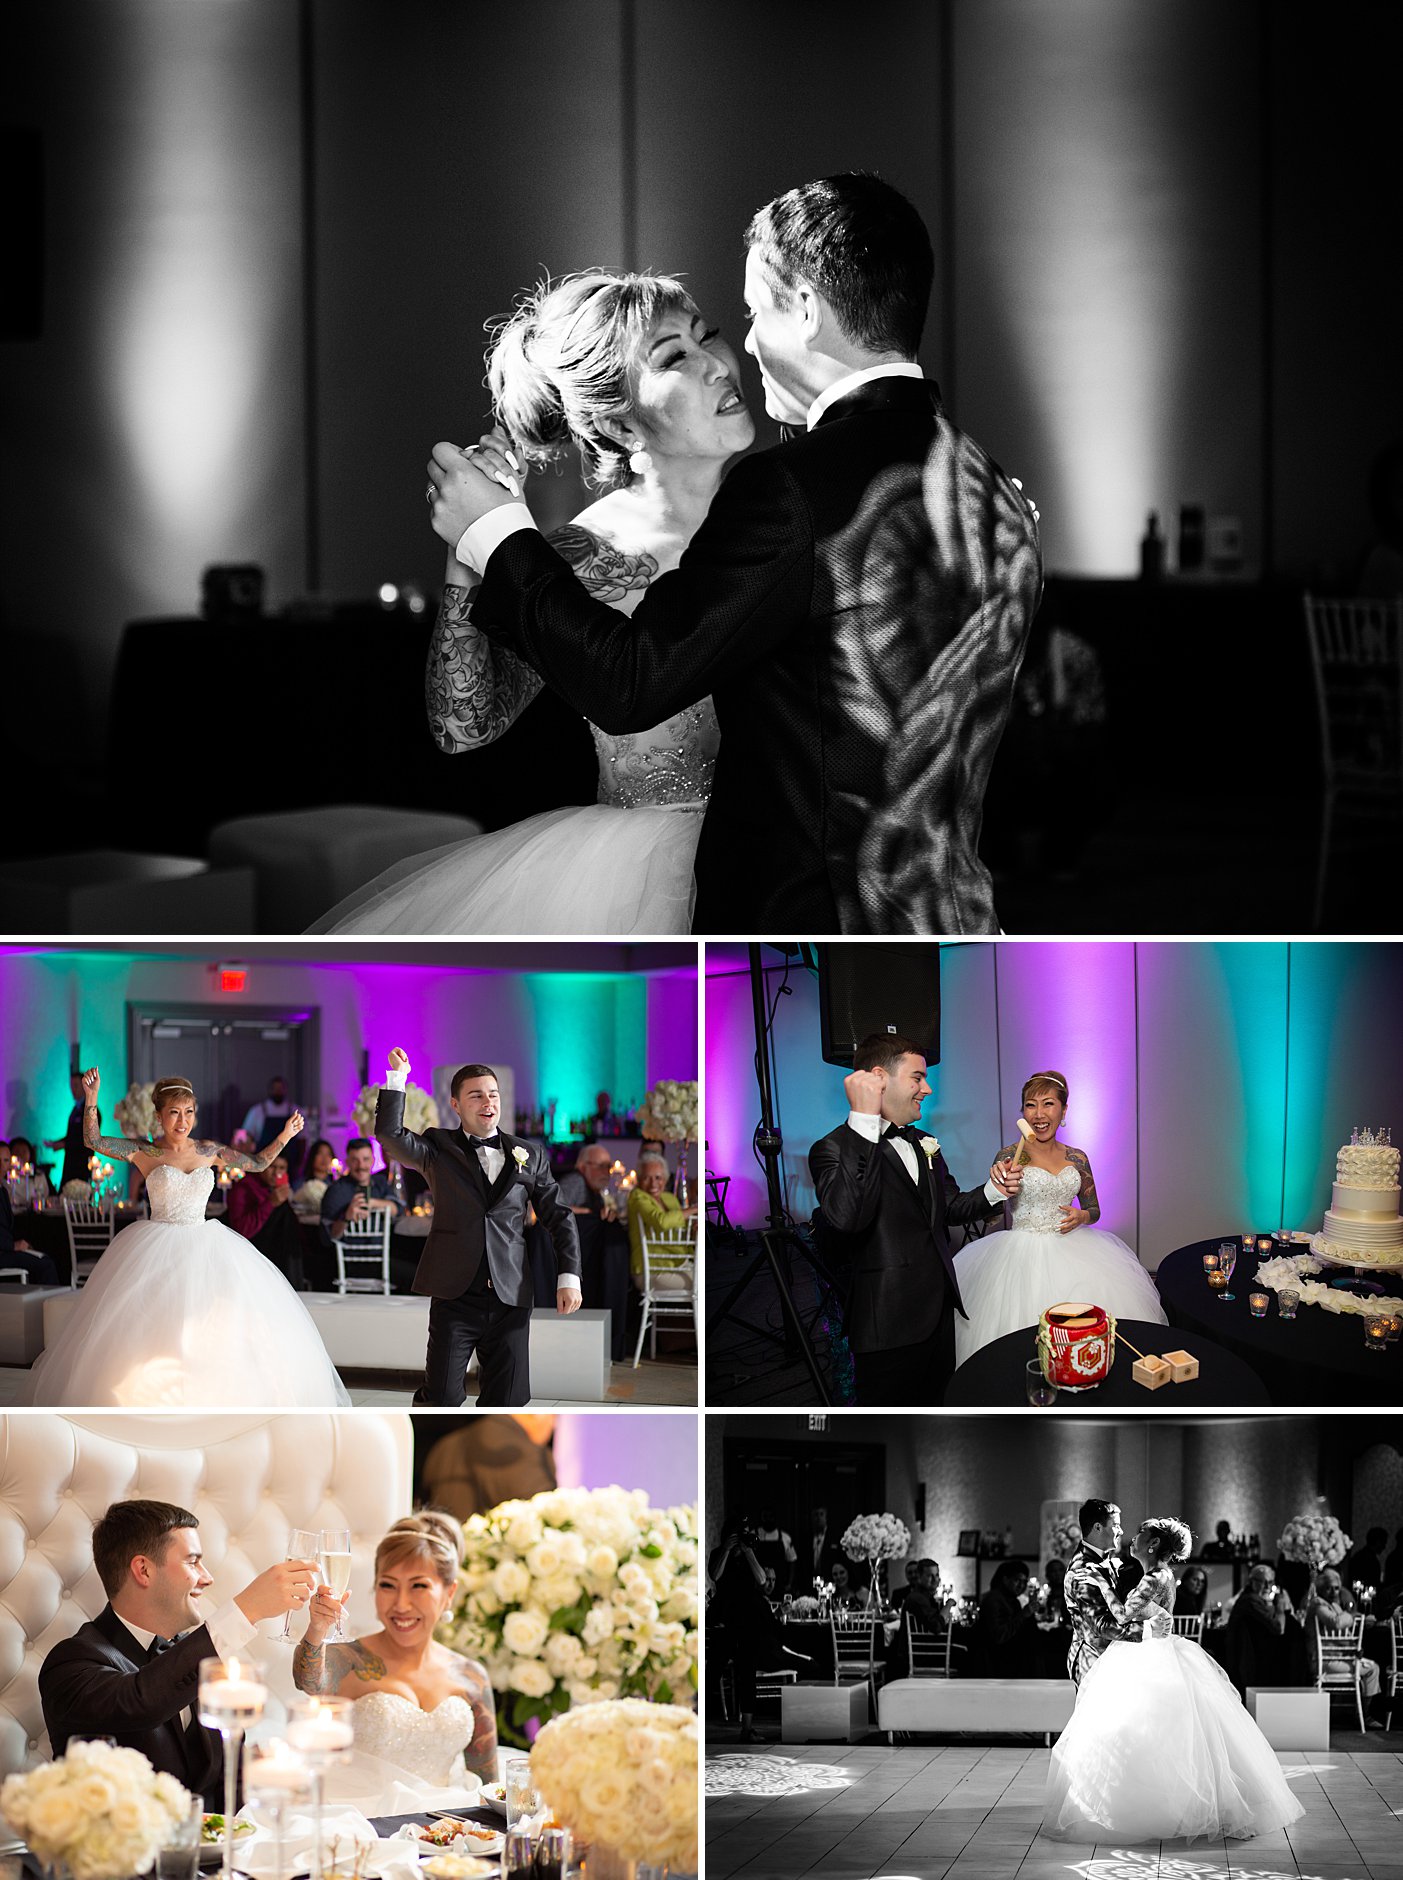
1286	1302
1040	1389
522	1798
178	1856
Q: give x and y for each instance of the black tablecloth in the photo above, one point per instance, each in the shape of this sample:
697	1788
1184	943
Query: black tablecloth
996	1374
1316	1359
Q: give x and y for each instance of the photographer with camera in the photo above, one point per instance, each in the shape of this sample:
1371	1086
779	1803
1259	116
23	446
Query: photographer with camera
754	1637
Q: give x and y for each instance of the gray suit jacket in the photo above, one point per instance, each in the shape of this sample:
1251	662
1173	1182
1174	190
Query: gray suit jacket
475	1220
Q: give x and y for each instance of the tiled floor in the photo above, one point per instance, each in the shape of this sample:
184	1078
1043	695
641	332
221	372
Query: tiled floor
971	1812
650	1385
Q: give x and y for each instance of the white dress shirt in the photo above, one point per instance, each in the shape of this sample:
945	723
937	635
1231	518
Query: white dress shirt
875	1127
894	369
491	1161
230	1632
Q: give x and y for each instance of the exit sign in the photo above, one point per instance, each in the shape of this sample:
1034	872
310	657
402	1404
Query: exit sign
232	979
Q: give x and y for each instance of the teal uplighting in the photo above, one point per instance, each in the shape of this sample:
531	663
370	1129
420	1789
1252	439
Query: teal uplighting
592	1032
1254	978
84	998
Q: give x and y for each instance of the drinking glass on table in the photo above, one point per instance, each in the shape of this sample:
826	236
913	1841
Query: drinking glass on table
522	1798
519	1854
1041	1390
334	1553
178	1856
1228	1261
302	1544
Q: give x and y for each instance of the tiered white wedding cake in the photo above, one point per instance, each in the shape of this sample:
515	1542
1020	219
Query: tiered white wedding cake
1362	1225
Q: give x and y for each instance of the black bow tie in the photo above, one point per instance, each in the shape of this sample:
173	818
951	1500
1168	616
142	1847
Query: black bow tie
906	1132
157	1646
487	1142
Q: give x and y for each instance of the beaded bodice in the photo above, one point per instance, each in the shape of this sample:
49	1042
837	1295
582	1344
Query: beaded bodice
426	1743
670	765
1037	1207
178	1196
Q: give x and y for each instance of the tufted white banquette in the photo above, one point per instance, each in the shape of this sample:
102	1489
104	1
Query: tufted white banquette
250	1479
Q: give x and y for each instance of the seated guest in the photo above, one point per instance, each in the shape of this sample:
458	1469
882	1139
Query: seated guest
604	1242
1191	1594
491	1459
39	1267
1006	1631
901	1594
1055	1603
847	1594
131	1673
316	1165
430	1711
650	1208
363	1190
258	1209
923	1600
1332	1604
1253	1649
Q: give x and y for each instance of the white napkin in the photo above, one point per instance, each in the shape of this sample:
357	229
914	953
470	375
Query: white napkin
257	1853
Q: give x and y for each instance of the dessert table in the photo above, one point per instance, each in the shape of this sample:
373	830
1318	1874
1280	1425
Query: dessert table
996	1374
1317	1359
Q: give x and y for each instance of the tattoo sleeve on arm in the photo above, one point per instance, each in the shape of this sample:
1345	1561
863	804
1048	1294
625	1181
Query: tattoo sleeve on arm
1086	1196
473	690
120	1148
480	1756
238	1158
320	1670
309	1669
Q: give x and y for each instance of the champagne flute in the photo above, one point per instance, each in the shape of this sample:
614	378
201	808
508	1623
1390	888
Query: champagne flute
302	1544
335	1552
1229	1261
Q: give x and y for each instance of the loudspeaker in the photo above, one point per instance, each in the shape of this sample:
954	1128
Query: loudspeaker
872	985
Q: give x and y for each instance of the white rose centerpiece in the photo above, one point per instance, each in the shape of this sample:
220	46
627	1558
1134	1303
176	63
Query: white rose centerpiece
669	1112
136	1112
101	1812
876	1538
576	1597
623	1777
1316	1538
420	1110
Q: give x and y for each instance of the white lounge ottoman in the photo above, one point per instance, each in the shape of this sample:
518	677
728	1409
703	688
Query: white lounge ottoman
22	1320
993	1706
823	1713
1291	1716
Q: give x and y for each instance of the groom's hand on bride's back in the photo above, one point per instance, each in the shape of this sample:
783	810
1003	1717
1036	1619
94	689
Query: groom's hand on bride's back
285	1587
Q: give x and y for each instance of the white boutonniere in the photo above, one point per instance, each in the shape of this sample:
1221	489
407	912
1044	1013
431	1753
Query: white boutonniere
521	1156
931	1145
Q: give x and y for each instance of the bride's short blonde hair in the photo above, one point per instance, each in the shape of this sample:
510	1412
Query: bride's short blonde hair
432	1532
567	359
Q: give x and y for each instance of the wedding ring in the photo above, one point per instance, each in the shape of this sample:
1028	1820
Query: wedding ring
432	493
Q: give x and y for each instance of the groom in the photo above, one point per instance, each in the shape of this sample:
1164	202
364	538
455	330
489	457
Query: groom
132	1673
475	1265
857	600
887	1202
1091	1589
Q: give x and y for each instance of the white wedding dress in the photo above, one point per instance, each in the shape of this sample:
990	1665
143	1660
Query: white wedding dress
182	1312
620	865
1160	1745
1009	1278
406	1758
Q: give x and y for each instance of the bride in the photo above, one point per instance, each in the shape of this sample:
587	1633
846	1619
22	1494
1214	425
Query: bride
423	1714
624	367
1160	1746
180	1311
1053	1251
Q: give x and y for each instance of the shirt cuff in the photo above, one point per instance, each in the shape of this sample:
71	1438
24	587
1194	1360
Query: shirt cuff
230	1631
864	1125
993	1194
476	543
396	1080
567	1282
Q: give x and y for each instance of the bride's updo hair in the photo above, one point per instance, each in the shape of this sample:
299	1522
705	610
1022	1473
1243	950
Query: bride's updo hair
170	1090
1041	1081
567	358
1173	1540
432	1532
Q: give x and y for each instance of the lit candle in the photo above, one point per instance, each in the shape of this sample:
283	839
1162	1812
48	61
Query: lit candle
1263	1243
1258	1302
235	1692
1376	1334
275	1765
321	1727
1211	1263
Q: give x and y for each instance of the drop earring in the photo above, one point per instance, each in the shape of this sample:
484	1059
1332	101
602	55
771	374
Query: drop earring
639	462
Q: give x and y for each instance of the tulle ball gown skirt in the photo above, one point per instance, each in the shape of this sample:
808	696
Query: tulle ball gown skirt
186	1315
597	869
1008	1279
1160	1748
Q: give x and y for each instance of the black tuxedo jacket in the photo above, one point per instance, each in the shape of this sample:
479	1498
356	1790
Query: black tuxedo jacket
893	1233
99	1683
473	1220
857	602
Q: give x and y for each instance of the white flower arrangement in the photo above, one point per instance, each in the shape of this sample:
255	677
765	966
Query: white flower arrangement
309	1195
1295	1270
624	1775
137	1113
806	1606
876	1537
1316	1538
1065	1538
575	1597
669	1112
76	1191
420	1110
101	1811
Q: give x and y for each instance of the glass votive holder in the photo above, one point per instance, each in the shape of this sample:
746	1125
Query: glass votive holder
1249	1242
1217	1281
1040	1390
1263	1246
1211	1262
1259	1302
1395	1328
1286	1302
1376	1334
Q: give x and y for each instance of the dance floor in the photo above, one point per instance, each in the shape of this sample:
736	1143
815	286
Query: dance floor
971	1812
